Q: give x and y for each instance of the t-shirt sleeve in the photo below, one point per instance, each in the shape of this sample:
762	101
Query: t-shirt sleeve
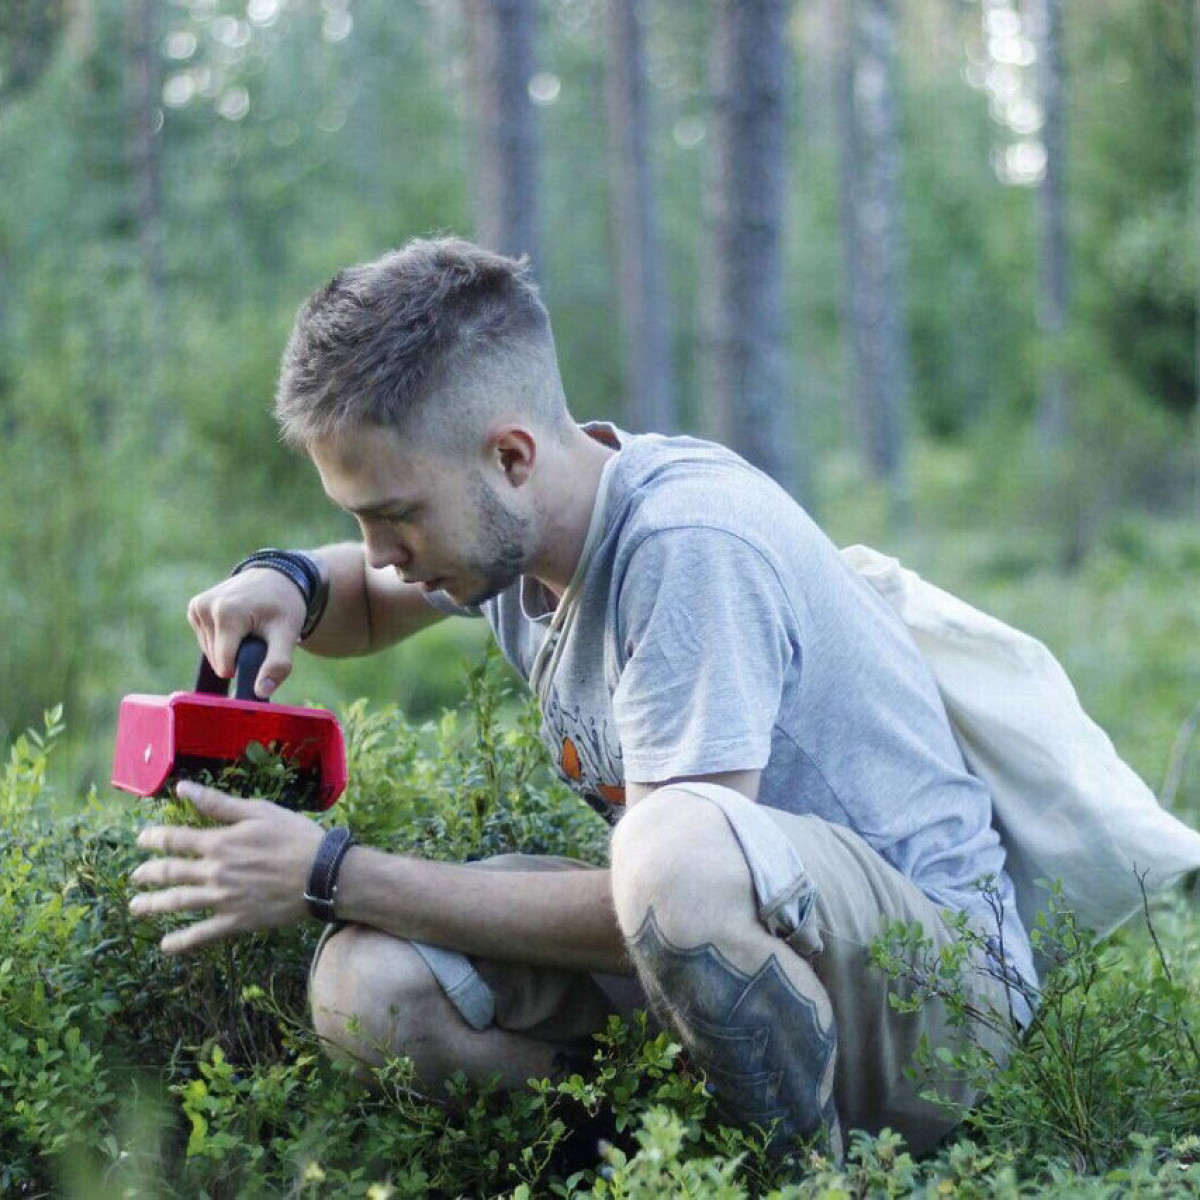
706	639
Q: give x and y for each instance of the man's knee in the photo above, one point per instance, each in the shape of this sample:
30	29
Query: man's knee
372	997
674	853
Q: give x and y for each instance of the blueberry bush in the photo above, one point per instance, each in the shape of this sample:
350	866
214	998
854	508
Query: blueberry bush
127	1073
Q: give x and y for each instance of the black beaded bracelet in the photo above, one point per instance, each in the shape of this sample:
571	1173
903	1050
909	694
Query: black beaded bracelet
304	570
322	880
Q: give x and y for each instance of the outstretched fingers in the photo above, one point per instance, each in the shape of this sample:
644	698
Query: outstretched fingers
212	929
218	805
175	899
175	839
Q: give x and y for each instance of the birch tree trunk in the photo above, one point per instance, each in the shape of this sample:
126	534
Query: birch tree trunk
505	152
747	395
640	268
1053	414
873	243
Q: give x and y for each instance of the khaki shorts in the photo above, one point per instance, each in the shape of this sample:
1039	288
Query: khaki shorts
824	891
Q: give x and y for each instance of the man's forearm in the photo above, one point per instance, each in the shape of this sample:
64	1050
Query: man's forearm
368	609
345	627
561	919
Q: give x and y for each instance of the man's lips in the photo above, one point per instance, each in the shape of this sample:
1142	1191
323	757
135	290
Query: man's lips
435	583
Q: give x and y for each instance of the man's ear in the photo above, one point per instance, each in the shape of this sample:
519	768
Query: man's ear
513	450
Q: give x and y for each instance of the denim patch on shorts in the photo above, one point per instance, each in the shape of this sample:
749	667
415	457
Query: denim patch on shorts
783	888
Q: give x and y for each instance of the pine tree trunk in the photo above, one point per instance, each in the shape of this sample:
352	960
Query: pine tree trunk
641	284
748	397
505	153
873	244
1053	415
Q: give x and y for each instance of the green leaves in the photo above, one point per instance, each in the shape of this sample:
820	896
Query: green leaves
182	1077
1109	1057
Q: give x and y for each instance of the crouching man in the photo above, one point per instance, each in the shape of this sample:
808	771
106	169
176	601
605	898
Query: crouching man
754	720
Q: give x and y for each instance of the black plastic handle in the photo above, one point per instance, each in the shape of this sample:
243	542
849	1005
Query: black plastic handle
251	655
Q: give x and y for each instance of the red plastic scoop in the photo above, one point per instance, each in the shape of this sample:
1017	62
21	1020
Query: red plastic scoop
163	738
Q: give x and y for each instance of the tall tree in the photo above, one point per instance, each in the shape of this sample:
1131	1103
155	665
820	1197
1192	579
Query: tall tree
502	34
641	285
1053	414
747	396
873	242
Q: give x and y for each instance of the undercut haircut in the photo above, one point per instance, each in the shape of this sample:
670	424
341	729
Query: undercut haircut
427	340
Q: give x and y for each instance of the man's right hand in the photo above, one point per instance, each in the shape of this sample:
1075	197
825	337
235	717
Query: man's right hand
257	600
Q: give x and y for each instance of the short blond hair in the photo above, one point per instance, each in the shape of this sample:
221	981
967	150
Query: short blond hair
436	318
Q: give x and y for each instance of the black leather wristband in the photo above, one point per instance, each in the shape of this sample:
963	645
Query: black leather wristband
320	593
306	571
322	879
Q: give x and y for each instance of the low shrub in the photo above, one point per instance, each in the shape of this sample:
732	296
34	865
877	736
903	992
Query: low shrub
127	1073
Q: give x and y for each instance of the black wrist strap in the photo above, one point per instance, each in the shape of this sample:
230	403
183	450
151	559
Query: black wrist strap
306	571
322	879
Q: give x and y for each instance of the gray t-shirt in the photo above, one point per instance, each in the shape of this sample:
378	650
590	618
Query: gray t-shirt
711	627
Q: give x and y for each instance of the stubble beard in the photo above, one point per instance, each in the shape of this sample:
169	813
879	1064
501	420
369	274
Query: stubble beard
506	535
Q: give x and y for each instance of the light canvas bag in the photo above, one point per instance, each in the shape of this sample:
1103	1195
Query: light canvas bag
1065	805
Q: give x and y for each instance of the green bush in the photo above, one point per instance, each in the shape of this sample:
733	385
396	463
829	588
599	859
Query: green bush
127	1073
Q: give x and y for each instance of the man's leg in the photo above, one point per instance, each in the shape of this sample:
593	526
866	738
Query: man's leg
751	1012
373	997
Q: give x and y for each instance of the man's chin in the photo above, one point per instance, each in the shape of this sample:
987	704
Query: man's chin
473	594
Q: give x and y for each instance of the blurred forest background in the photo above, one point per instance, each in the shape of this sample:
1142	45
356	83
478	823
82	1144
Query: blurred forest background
931	263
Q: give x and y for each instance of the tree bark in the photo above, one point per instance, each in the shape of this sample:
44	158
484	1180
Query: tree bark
747	393
1053	414
505	152
873	243
640	268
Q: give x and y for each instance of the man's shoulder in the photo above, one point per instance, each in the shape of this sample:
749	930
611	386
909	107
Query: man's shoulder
683	482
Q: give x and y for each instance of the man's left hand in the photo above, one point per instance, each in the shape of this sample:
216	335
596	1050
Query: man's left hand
250	873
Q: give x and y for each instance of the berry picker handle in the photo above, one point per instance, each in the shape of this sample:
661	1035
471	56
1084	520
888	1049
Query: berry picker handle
251	655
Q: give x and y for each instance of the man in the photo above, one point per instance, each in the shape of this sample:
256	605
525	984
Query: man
785	776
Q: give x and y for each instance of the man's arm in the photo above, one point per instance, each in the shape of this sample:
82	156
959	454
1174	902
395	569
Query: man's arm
559	919
562	919
251	873
369	608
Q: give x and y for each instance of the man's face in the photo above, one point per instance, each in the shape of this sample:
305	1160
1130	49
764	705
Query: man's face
440	521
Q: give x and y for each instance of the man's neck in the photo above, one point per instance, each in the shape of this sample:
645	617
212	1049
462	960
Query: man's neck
567	503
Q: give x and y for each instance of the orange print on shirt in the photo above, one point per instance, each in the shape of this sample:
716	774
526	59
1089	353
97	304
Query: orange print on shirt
612	793
570	761
572	768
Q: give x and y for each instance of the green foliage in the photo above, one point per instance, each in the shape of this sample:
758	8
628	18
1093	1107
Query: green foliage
261	771
472	784
125	1072
1109	1057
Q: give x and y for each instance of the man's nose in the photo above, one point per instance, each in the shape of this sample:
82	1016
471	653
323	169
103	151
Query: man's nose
385	551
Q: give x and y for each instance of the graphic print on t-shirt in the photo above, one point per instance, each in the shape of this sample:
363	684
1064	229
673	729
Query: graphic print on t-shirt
587	754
